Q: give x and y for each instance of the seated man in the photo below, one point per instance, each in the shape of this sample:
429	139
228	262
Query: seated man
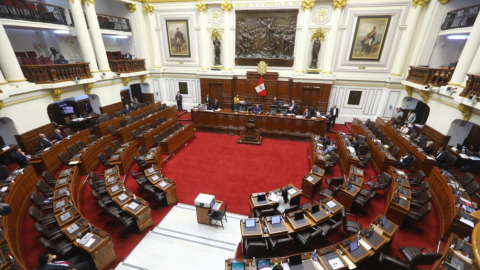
428	148
404	129
62	60
470	164
332	147
405	161
21	158
292	108
257	109
397	116
57	136
44	141
46	261
421	139
355	143
441	157
128	56
127	109
275	101
326	142
306	113
216	105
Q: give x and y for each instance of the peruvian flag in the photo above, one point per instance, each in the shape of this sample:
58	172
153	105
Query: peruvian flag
261	88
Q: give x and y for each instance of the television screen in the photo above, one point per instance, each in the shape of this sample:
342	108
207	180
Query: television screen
263	263
250	223
67	110
275	219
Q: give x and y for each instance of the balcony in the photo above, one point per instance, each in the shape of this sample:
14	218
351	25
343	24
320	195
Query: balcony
110	22
127	66
32	11
426	76
472	87
460	18
55	73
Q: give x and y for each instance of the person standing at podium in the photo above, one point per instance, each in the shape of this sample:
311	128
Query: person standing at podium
275	101
235	102
179	98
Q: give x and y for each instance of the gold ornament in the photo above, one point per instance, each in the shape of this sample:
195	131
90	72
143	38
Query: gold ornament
419	3
216	34
1	104
56	94
227	7
321	14
148	8
466	111
126	80
262	68
425	96
215	16
319	33
443	2
131	7
409	90
88	88
308	4
201	7
339	4
143	78
88	2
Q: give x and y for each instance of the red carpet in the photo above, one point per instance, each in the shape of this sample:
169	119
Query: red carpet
216	164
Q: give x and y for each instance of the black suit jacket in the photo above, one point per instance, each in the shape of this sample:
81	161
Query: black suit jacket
355	145
326	142
44	143
21	159
178	98
408	159
441	159
428	150
216	106
295	108
57	137
275	102
331	112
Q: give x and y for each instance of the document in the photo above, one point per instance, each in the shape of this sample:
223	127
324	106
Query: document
468	222
72	228
3	189
74	162
292	191
90	242
133	205
331	204
163	184
463	155
365	244
310	178
336	263
350	264
317	266
122	197
155	178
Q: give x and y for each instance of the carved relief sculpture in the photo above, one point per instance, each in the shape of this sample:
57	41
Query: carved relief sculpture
264	35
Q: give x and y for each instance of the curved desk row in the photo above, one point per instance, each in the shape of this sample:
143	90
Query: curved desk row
178	139
316	154
256	204
87	159
146	140
346	158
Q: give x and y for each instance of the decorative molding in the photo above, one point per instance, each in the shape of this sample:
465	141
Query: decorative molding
227	7
215	16
126	80
321	14
308	4
88	88
443	2
88	2
339	4
147	7
131	7
143	78
262	68
319	33
466	111
216	34
201	7
425	96
56	93
420	3
409	90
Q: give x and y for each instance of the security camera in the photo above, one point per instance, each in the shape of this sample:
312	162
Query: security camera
118	74
102	75
76	79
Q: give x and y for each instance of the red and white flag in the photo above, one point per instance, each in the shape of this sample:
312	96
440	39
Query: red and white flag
261	88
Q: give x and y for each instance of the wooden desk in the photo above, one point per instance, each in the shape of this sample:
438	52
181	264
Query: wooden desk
347	194
346	159
163	183
254	232
271	125
48	160
123	157
146	140
395	211
316	154
309	182
255	204
173	143
88	159
203	212
449	252
421	161
154	157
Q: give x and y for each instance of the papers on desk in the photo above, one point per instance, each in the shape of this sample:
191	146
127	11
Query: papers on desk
463	155
378	230
473	158
133	205
310	178
3	189
365	244
292	191
72	228
122	197
403	197
331	204
74	162
285	266
317	265
350	264
5	147
431	158
336	263
46	149
273	197
163	184
90	242
468	222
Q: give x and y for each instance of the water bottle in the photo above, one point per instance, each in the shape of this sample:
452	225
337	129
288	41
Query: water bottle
254	264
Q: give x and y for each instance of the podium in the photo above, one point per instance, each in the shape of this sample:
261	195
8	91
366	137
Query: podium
251	136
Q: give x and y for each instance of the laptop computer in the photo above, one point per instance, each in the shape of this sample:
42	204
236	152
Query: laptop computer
250	223
353	246
261	197
275	220
315	209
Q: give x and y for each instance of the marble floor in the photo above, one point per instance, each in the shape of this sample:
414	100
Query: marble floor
179	242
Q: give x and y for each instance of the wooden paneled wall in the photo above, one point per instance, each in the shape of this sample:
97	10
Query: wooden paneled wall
28	140
473	137
112	108
436	137
146	97
304	94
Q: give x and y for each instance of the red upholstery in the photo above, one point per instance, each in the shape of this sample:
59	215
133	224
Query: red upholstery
47	60
31	54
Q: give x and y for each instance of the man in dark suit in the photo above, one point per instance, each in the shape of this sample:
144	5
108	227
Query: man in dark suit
208	102
178	98
21	158
275	101
292	108
355	143
46	261
57	136
326	142
44	141
441	157
306	114
88	108
128	56
421	139
127	109
257	109
405	161
334	113
216	105
428	148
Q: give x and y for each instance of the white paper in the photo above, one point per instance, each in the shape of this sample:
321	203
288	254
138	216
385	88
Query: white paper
468	222
365	244
133	205
463	155
90	242
429	157
285	266
378	230
73	162
310	178
473	158
331	204
292	191
317	265
336	263
3	189
350	264
403	197
273	197
163	184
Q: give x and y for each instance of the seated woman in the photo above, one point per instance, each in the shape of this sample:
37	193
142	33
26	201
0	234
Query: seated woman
283	201
404	129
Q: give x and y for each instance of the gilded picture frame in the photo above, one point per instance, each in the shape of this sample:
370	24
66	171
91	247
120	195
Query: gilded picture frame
178	36
369	38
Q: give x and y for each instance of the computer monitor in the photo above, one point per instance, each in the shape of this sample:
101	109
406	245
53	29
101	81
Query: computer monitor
238	266
384	220
298	215
261	197
275	220
353	246
370	233
315	208
263	264
250	223
295	259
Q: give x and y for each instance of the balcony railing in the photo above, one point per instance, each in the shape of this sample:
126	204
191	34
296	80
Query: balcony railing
472	87
425	75
127	66
32	11
40	74
111	22
464	17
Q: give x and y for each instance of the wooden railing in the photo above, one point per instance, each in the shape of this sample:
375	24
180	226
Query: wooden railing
127	66
40	74
472	87
463	17
32	11
426	75
111	22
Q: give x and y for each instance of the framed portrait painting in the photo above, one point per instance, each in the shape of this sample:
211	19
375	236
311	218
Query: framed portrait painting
178	38
369	38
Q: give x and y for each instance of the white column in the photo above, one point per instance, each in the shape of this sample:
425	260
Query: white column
466	58
302	44
205	56
227	42
140	34
2	79
474	68
82	34
331	42
157	60
406	41
8	62
97	39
